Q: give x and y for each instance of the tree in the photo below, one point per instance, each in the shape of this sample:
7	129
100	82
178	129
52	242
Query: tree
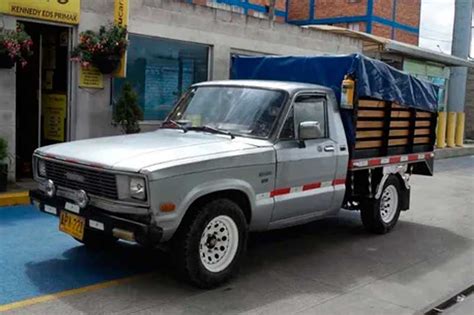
127	112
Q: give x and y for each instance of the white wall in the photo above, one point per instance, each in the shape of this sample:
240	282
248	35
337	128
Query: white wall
7	102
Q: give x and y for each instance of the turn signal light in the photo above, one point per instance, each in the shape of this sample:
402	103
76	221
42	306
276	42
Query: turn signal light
167	207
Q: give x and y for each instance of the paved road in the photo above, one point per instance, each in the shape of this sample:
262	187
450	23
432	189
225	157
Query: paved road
327	267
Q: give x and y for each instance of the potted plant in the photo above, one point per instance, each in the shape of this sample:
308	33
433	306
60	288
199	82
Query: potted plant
102	49
127	112
15	46
3	165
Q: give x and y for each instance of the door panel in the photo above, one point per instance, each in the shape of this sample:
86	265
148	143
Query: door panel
305	169
309	173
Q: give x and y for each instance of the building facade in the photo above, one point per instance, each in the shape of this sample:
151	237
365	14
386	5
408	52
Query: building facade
172	45
255	8
394	19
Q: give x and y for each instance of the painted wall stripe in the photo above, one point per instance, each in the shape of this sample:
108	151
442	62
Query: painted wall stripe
339	181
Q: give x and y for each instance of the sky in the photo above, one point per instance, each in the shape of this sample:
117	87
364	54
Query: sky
436	26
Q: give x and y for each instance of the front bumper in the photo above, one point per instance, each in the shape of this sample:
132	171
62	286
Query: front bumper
143	231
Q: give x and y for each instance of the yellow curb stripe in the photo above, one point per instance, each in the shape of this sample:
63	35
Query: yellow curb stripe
55	296
14	198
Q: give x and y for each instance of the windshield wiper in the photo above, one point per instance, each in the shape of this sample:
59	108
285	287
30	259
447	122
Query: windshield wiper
174	123
213	130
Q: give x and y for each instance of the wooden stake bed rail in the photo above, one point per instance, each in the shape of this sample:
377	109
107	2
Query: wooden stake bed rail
385	128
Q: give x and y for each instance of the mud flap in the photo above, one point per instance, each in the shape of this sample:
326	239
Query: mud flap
405	199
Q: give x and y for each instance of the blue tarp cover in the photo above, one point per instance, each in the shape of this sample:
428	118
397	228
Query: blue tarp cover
374	78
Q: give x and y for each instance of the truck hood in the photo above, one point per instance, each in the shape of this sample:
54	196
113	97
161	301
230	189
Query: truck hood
137	151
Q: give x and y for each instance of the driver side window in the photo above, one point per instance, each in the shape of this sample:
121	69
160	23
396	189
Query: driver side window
312	108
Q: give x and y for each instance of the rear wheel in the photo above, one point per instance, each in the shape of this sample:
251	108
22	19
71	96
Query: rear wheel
210	243
381	215
93	239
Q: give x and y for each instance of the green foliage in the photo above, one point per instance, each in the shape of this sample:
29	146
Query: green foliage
127	112
111	40
3	149
17	44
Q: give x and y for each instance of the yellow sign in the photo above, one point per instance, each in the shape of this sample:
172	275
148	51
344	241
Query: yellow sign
54	116
90	78
121	9
63	11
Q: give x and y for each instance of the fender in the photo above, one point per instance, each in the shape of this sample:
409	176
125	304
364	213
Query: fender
399	170
216	186
171	221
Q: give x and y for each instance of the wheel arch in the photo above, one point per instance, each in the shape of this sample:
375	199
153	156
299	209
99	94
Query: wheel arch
402	178
236	195
238	191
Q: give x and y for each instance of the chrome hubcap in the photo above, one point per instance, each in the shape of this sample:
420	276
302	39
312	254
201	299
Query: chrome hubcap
388	203
219	243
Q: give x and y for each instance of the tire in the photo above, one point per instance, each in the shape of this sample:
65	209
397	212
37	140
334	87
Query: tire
210	243
97	240
380	216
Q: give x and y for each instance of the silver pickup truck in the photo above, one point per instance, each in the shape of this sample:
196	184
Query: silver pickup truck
232	157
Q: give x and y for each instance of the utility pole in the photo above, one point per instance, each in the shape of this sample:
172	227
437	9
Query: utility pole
457	81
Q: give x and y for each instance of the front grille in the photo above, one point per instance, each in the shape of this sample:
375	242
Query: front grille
94	182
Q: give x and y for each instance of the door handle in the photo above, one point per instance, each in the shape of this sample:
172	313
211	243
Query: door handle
329	148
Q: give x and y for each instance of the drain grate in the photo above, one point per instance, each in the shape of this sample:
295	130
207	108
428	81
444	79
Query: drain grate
458	298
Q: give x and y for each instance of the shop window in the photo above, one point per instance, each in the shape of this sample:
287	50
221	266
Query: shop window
161	70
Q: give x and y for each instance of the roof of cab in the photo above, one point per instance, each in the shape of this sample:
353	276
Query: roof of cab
266	84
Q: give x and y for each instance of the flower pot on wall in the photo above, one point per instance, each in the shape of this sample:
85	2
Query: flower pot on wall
6	62
106	63
3	177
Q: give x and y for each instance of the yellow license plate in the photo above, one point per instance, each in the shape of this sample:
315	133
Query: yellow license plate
72	224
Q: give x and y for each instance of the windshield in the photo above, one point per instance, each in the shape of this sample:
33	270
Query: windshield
239	110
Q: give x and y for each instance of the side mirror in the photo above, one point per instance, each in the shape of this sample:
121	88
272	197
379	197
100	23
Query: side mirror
309	130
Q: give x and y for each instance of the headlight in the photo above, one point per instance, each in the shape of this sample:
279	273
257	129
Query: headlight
137	188
41	168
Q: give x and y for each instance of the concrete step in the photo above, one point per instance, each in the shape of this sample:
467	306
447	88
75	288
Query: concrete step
447	153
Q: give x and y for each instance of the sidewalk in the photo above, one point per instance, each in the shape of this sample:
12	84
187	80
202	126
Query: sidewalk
447	153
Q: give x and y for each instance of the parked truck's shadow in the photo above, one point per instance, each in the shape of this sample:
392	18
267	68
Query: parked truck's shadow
326	257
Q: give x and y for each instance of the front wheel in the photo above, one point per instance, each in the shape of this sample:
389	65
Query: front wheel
381	215
210	243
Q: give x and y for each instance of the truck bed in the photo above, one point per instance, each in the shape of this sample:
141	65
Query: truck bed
384	128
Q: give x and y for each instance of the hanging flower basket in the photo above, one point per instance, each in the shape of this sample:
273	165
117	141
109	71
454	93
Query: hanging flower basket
15	46
6	62
106	63
102	49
